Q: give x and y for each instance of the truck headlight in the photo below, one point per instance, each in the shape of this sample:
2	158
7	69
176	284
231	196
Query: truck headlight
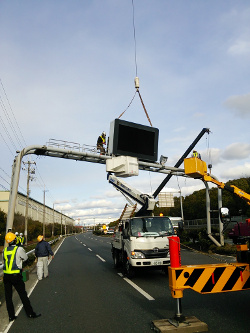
137	255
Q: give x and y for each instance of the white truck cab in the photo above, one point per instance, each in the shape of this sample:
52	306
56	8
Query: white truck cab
142	242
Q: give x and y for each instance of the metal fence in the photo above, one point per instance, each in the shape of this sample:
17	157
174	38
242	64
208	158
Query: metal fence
202	223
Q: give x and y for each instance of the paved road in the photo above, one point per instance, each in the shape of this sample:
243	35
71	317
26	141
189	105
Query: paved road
84	293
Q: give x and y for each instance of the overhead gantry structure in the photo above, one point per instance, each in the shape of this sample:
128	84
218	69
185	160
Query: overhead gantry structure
77	155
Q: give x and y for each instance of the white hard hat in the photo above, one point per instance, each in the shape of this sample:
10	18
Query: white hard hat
16	233
104	133
21	234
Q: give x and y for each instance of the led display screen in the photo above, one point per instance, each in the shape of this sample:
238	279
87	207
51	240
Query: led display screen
130	139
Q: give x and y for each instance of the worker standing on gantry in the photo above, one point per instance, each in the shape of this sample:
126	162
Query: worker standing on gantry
101	141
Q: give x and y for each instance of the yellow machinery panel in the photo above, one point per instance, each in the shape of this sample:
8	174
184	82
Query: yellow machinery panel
195	167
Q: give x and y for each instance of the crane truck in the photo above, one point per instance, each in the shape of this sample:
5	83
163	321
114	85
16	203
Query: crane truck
140	241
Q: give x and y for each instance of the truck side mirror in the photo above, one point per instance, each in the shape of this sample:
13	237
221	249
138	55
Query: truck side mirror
224	214
125	233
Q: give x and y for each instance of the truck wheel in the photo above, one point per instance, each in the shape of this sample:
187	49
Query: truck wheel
129	270
116	259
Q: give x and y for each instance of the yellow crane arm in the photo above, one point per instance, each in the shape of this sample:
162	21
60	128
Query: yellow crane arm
196	168
231	188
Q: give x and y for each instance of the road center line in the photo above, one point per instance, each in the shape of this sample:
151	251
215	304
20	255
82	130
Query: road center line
100	258
89	249
140	290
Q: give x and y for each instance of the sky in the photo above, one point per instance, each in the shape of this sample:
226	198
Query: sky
67	70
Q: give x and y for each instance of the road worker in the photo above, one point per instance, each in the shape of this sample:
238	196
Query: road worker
21	239
42	252
196	154
13	257
100	142
17	238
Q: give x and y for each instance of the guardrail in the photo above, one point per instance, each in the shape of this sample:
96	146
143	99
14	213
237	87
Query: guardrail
30	252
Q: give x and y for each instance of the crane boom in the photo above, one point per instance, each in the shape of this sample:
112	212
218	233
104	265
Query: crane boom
146	201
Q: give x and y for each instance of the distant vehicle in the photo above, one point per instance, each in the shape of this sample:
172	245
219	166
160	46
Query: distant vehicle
240	231
110	231
177	222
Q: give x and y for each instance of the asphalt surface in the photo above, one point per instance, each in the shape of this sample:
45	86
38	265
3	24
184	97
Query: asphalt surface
84	293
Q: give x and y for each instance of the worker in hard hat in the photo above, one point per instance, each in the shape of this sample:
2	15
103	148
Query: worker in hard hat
196	154
21	239
17	238
42	252
101	141
13	257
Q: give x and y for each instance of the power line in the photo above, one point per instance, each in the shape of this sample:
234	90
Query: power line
7	133
5	173
5	180
9	121
4	187
6	144
13	115
14	129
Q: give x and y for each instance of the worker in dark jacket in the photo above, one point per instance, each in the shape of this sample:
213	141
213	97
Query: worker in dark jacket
13	257
100	142
42	252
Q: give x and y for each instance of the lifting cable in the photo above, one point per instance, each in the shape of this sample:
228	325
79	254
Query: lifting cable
136	78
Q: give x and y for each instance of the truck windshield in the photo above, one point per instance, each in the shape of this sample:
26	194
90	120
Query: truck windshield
151	226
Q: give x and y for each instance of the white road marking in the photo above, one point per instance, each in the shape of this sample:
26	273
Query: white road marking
101	258
84	244
140	290
89	249
144	293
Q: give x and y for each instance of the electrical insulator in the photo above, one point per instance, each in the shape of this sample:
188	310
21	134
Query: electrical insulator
136	82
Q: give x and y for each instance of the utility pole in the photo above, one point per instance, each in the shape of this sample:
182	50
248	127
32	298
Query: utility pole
52	232
30	171
61	222
44	211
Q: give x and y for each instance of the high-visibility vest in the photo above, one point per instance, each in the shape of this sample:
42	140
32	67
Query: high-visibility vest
195	154
10	266
17	240
21	240
103	140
